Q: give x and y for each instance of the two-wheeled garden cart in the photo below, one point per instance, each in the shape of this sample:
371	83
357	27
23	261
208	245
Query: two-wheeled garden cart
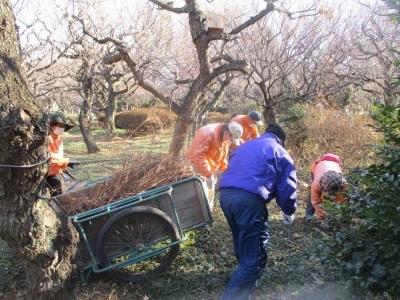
135	238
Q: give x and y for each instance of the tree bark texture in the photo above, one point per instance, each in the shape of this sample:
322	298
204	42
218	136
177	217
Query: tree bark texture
84	124
44	240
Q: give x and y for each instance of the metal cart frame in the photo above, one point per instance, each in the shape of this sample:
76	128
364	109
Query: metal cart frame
167	213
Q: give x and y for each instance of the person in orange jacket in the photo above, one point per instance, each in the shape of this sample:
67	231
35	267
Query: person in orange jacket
58	162
328	181
249	123
208	152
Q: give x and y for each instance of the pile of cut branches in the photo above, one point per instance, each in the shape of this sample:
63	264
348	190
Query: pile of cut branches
143	173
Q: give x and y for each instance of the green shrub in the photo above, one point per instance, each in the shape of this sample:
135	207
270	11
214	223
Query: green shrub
367	246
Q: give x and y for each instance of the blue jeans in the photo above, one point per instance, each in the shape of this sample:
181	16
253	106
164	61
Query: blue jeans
247	216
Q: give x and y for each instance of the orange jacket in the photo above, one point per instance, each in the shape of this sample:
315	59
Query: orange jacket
249	132
56	150
319	168
207	152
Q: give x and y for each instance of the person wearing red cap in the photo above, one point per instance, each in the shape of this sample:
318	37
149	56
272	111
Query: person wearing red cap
250	125
208	152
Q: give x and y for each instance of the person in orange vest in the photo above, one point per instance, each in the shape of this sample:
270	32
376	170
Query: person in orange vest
249	123
58	162
327	182
208	152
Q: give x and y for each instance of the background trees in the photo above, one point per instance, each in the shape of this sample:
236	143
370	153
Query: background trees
271	54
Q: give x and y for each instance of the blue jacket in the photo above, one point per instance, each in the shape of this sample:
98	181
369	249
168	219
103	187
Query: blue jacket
263	167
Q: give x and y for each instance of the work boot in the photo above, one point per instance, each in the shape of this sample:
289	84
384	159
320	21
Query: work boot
310	219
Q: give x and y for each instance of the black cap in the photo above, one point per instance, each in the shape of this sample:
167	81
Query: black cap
256	117
60	118
277	130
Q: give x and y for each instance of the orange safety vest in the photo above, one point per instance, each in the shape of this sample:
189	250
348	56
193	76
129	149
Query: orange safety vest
56	150
207	152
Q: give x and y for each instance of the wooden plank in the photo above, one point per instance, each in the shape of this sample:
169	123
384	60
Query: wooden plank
189	203
91	230
215	23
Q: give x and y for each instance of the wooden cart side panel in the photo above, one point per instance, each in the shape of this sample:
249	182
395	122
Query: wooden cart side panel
189	203
92	231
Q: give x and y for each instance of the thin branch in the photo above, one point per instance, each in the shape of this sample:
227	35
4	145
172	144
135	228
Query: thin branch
168	6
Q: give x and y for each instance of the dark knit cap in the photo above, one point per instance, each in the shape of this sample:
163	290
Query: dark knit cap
277	130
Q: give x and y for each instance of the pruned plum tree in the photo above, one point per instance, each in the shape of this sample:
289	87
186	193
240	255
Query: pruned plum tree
41	237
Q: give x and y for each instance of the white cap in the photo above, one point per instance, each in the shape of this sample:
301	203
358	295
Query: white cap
259	123
236	131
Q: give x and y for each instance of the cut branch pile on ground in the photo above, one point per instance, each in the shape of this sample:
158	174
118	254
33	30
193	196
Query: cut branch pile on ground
143	173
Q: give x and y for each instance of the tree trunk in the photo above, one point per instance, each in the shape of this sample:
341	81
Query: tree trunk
85	129
44	240
85	78
181	130
269	115
110	116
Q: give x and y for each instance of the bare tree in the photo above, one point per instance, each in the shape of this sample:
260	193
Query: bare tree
375	41
210	68
44	239
209	100
85	78
107	101
283	55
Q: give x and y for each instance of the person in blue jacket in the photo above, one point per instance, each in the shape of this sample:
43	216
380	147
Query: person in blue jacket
258	171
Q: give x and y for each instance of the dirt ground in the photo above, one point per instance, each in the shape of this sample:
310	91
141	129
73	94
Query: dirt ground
12	279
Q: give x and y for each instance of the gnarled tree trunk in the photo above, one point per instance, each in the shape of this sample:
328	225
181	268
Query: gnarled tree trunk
43	239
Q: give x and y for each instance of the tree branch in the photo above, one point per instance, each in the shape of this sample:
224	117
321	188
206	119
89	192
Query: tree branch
270	7
168	6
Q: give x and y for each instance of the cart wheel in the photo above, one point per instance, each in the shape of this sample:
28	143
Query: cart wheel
137	233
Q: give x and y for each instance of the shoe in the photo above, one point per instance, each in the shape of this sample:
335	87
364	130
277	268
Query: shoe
309	219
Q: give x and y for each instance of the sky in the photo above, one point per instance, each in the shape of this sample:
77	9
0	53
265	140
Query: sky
50	11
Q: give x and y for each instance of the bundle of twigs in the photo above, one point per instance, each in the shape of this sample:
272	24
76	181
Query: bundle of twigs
142	174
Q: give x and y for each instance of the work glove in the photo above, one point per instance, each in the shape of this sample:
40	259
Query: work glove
287	219
71	164
210	181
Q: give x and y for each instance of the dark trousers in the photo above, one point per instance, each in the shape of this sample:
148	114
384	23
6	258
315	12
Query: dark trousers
310	209
247	216
53	183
